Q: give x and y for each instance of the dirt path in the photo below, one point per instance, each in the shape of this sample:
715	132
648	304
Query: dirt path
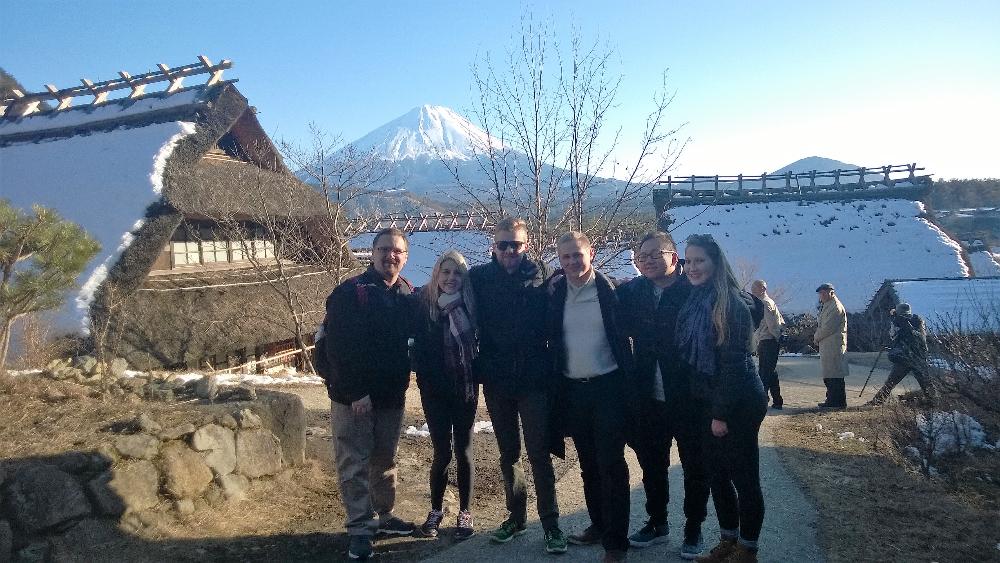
789	532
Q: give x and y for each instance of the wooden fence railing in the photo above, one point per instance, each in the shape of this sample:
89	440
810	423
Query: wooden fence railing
741	185
22	105
423	222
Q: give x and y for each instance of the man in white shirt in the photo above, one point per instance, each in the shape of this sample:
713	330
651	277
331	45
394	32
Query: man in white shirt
593	366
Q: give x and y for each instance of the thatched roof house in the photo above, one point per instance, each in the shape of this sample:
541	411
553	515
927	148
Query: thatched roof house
193	207
946	304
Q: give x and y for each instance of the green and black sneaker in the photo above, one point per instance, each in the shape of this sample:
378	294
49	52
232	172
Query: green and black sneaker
507	531
555	541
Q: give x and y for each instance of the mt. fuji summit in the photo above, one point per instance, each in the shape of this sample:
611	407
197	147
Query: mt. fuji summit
426	133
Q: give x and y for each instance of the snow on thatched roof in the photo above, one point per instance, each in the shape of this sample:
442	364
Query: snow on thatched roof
946	303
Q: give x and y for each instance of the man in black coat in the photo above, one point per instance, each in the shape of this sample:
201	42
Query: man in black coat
367	371
907	352
592	363
514	367
668	410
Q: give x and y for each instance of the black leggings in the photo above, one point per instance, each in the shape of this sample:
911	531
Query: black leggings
735	470
448	416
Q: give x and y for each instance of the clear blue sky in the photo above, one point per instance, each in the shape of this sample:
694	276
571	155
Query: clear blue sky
760	84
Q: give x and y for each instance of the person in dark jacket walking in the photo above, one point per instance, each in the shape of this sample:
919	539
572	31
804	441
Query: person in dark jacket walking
593	360
514	368
907	352
668	410
367	325
714	330
444	347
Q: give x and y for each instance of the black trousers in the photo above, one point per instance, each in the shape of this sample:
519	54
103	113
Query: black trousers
596	422
659	424
897	374
532	411
836	391
767	353
449	416
734	460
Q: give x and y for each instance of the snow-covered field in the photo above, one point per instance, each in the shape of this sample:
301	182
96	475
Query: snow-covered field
795	246
985	263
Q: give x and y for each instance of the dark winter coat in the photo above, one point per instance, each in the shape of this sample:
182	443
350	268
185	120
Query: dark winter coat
513	357
909	344
735	381
367	327
428	353
651	326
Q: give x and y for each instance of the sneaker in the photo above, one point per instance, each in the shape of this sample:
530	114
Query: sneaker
615	556
360	547
430	526
692	547
507	531
465	528
650	534
590	536
719	553
396	527
555	541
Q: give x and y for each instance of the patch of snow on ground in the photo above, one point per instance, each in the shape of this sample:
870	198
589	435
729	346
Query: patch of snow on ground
483	426
255	379
421	432
951	432
795	246
948	304
99	181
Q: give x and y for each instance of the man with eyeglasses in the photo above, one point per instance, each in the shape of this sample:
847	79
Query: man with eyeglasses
367	372
513	366
667	411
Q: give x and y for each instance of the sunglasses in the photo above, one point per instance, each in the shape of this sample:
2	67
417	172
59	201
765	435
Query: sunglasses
505	245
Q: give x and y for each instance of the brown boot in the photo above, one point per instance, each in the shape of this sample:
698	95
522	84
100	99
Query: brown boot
741	554
719	553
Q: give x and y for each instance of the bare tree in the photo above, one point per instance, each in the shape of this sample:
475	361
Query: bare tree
548	152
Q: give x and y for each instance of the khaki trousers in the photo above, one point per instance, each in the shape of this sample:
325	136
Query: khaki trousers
364	450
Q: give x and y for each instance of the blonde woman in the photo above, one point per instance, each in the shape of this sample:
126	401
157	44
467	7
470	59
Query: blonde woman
444	346
714	327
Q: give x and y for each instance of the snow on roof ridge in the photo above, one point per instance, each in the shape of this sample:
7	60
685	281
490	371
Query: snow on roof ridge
111	110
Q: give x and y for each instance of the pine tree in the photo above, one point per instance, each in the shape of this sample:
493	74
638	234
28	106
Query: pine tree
41	254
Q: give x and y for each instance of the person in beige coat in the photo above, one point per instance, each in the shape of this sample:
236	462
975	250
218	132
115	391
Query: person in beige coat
831	338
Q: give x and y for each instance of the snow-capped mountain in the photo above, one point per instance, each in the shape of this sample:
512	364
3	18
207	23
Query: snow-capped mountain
426	133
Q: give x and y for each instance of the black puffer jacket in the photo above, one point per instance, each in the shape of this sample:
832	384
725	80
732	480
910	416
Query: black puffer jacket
513	356
367	325
909	343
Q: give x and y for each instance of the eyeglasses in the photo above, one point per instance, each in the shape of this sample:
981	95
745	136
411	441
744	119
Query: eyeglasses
654	256
504	245
390	250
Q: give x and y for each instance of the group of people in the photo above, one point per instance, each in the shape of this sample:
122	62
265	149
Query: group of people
565	353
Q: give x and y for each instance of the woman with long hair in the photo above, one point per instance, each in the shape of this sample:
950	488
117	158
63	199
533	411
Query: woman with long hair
714	330
444	346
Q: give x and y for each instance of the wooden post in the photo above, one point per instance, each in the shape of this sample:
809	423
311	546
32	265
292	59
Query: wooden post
913	168
64	101
100	95
694	193
836	179
739	185
788	181
763	182
175	80
862	181
812	181
138	88
716	186
670	188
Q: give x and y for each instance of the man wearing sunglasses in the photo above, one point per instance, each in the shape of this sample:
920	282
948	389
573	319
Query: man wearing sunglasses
650	304
513	367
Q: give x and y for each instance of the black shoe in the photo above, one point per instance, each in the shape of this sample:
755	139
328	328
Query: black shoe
650	534
396	527
430	527
360	547
777	406
466	527
826	405
590	536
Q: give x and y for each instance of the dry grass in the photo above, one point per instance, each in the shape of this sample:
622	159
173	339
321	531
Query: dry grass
874	506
